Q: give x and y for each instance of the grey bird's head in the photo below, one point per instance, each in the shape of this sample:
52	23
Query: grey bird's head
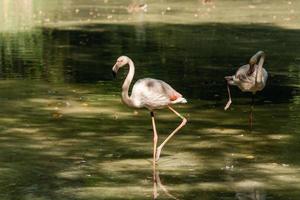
121	62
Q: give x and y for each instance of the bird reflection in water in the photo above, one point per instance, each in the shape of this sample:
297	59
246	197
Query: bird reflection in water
136	8
157	185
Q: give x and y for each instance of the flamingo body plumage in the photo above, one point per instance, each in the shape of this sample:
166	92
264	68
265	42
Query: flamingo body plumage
154	94
248	82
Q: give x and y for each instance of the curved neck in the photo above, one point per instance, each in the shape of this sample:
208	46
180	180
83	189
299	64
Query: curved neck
125	88
259	74
253	61
261	61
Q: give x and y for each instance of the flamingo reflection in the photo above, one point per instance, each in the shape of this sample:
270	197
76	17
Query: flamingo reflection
157	185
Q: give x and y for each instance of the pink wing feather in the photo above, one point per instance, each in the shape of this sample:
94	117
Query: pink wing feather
153	93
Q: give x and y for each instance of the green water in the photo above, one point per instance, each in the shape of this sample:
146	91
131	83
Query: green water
66	135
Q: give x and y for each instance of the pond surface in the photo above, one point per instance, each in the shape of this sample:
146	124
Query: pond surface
66	135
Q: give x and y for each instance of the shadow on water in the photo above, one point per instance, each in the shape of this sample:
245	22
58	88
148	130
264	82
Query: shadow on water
65	134
75	142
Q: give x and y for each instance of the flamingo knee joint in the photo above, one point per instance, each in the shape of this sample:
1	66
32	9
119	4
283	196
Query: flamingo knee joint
184	121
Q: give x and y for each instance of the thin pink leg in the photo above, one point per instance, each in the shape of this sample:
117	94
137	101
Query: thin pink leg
251	119
155	138
229	98
158	151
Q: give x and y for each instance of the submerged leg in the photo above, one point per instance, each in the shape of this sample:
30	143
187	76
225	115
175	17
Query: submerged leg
229	98
173	133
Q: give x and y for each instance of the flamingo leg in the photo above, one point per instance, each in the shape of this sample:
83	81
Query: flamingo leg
155	138
158	151
229	98
251	112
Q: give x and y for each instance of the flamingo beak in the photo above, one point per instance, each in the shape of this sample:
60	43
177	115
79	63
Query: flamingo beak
114	71
114	74
228	78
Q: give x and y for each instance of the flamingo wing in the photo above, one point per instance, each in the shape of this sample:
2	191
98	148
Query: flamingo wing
153	93
242	73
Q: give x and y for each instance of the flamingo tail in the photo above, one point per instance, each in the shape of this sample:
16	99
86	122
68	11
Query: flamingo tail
179	100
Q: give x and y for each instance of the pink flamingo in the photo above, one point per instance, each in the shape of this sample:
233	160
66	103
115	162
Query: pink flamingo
249	78
151	94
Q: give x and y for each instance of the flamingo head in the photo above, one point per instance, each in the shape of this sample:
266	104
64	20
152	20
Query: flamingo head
121	61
